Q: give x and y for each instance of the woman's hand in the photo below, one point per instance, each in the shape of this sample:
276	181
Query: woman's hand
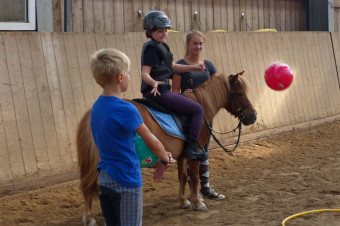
188	91
154	90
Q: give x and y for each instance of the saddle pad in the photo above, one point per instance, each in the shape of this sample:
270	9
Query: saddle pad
166	122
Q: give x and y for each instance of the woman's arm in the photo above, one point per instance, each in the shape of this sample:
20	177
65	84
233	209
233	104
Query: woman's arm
176	83
150	81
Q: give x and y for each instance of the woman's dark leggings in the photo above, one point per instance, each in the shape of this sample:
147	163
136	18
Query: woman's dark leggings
181	104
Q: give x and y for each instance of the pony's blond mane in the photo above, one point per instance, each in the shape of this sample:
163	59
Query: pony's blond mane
214	94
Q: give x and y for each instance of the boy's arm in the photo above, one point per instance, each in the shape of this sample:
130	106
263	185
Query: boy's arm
180	68
153	143
158	149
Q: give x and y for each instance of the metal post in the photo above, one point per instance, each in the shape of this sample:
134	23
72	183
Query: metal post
317	15
67	15
44	15
331	15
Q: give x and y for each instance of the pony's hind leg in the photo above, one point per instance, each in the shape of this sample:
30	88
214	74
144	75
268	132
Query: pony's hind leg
194	182
88	218
182	176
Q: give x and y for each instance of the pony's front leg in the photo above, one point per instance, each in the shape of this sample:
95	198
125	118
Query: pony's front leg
182	177
194	182
88	218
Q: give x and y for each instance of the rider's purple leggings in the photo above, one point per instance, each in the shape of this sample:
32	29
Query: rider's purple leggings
181	104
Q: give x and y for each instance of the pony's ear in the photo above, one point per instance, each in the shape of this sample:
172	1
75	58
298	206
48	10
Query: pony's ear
240	73
234	78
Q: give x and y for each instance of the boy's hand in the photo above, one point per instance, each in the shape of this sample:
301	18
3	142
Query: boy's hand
161	168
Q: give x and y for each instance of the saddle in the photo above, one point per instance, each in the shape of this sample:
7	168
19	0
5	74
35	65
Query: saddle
181	120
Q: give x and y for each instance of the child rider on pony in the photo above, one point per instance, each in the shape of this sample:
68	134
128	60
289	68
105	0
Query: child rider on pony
157	69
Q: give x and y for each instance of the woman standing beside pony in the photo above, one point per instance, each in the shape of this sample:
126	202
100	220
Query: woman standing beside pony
186	82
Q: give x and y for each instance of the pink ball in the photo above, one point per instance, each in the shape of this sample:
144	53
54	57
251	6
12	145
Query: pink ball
278	76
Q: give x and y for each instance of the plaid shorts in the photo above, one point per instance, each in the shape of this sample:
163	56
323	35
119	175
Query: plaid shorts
131	204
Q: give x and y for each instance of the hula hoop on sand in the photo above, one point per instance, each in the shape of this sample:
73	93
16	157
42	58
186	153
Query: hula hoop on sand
311	211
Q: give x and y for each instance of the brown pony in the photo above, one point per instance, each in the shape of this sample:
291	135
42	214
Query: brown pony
220	92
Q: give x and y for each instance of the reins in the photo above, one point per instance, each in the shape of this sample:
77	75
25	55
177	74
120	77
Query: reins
239	126
233	97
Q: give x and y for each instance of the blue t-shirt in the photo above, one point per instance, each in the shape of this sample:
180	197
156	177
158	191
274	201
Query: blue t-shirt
113	124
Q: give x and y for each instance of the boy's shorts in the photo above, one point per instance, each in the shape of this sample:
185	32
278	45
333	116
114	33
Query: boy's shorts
120	205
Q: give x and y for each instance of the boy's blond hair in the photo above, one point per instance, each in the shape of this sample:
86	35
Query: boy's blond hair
106	64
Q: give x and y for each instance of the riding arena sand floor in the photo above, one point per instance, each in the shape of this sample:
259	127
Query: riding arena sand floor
265	181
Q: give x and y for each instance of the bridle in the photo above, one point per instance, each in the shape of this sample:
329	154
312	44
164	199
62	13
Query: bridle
234	100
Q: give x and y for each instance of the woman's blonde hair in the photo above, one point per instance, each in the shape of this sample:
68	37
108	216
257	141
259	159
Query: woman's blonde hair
189	37
106	64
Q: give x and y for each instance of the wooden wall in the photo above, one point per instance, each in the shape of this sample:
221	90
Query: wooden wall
122	16
336	15
46	85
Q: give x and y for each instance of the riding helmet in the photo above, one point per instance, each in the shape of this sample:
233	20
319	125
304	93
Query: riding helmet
156	19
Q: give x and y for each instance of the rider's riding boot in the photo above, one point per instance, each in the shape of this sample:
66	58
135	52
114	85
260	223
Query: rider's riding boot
193	151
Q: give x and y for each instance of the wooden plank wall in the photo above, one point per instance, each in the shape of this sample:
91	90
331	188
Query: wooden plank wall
122	15
337	16
336	5
46	85
336	47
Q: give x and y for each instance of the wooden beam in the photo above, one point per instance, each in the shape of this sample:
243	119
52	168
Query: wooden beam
16	187
336	3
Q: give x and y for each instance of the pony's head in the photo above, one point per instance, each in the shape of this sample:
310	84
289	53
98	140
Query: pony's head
229	92
239	105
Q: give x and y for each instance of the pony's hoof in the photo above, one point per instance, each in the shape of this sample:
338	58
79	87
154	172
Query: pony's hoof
201	207
186	204
89	221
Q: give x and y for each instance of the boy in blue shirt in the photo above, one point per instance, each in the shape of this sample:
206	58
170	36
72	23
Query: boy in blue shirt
114	124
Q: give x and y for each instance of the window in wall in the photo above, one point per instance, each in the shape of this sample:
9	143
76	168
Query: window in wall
17	15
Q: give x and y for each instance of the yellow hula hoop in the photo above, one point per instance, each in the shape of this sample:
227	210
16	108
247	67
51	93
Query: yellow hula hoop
311	211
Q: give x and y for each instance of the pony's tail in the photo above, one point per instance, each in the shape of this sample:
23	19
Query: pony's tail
88	158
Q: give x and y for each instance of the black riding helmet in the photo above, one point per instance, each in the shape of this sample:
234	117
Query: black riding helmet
156	19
